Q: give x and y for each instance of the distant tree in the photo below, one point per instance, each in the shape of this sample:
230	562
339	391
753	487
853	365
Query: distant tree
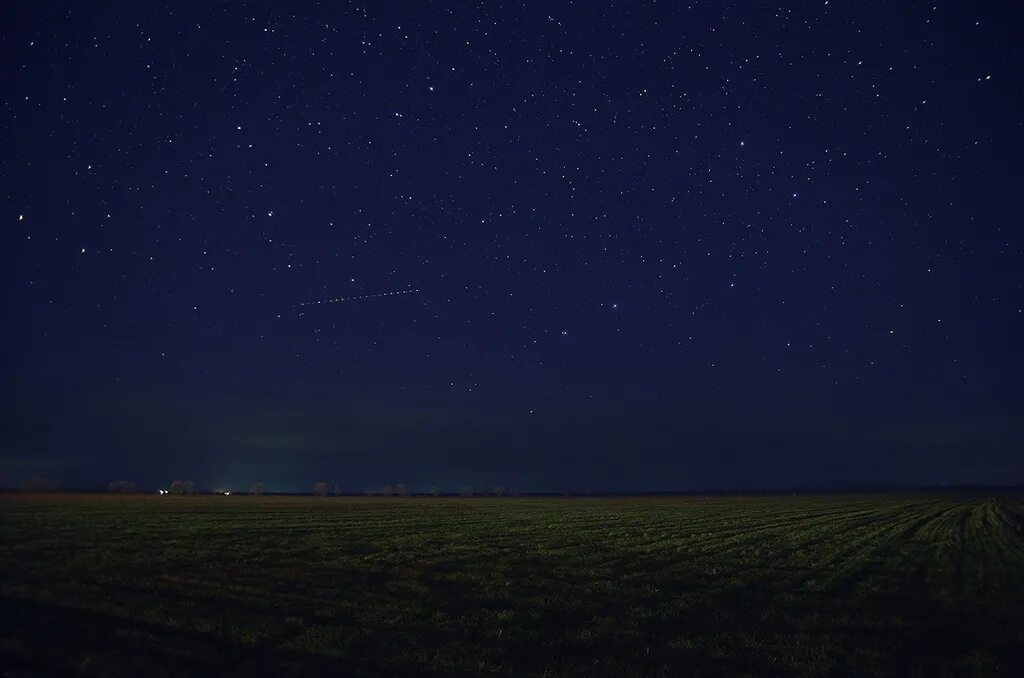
320	489
122	486
436	491
336	491
386	491
37	484
189	487
256	489
177	487
513	492
370	492
401	490
498	491
466	491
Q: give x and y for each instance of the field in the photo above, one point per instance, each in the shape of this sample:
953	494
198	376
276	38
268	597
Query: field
914	584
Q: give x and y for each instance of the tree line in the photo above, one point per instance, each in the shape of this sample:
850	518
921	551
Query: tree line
319	489
400	490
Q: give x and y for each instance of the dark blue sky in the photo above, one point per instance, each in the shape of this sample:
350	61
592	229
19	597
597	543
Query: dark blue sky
591	246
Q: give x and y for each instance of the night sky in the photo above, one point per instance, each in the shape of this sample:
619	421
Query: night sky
614	246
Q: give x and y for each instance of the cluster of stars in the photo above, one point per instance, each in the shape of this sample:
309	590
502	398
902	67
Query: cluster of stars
494	164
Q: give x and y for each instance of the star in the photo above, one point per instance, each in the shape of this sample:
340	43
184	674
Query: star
518	200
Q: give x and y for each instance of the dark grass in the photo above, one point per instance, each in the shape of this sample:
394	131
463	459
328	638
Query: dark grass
771	585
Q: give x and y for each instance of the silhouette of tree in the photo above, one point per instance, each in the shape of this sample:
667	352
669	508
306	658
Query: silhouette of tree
386	491
466	491
256	489
320	489
499	491
176	487
39	485
189	487
401	490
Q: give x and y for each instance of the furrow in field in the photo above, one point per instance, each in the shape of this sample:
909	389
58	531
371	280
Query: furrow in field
853	561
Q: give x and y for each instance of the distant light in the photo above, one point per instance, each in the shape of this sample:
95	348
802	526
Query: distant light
227	494
161	491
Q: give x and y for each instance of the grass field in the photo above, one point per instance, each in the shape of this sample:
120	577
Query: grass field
781	585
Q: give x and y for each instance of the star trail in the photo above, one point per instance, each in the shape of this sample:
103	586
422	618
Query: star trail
358	297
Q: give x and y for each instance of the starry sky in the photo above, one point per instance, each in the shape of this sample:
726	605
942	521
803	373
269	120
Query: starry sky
600	246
